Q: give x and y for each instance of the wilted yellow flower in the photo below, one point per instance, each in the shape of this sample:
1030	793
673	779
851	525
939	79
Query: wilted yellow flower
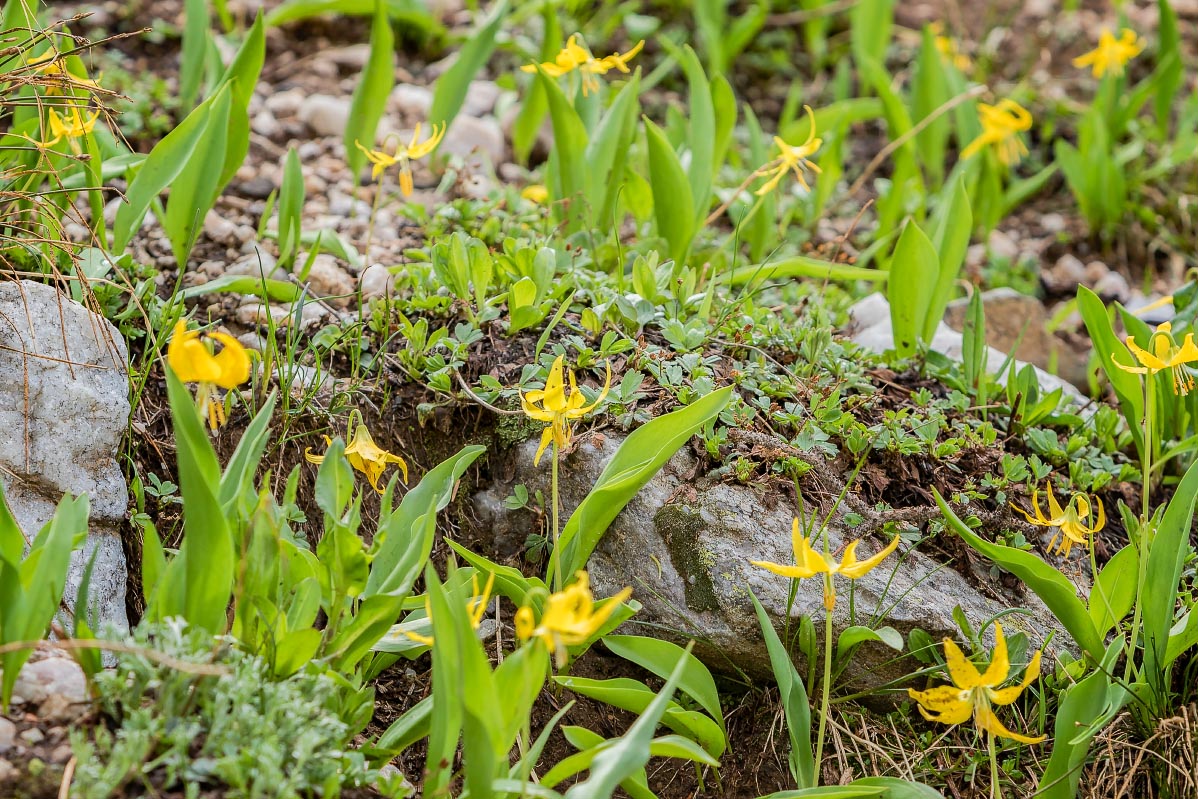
792	159
973	694
809	562
948	49
1001	126
574	56
1111	55
70	126
1070	521
557	408
52	65
192	361
403	155
475	608
1165	354
570	617
365	456
536	193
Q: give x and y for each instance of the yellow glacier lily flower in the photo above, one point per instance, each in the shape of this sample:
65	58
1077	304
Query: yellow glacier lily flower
557	408
192	361
475	609
535	193
792	159
974	694
1001	125
570	618
70	126
365	456
1070	521
576	57
809	562
1111	55
52	65
948	49
1163	353
404	155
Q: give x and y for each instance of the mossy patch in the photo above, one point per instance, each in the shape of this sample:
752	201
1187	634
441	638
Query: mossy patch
680	526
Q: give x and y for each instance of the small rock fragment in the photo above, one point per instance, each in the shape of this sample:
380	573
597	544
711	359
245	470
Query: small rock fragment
325	115
1065	275
1113	287
376	281
8	735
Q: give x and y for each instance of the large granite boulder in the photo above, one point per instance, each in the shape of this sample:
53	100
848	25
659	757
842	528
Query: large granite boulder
685	544
64	406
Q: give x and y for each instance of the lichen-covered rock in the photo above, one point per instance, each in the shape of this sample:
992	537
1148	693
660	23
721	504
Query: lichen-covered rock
64	406
685	546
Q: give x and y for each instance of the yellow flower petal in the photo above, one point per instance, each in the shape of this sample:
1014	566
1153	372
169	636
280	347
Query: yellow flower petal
943	703
1005	696
1000	665
988	722
861	568
963	673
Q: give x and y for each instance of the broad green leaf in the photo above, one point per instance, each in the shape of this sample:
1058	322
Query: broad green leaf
1107	347
951	226
196	30
1182	636
630	752
404	731
852	636
1114	595
568	164
673	203
661	657
243	465
446	724
1053	588
830	792
607	152
701	129
159	170
1081	705
795	705
1166	557
410	530
640	457
370	95
897	788
195	188
804	266
449	92
913	273
628	694
413	13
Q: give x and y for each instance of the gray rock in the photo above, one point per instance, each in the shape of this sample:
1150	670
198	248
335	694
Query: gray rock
685	549
1096	271
1001	245
871	330
265	124
1065	275
8	735
412	101
1113	287
327	279
472	138
219	229
325	115
481	96
376	281
64	406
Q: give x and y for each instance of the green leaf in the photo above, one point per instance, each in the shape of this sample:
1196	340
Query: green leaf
370	95
1082	704
413	13
1168	64
194	190
913	275
795	705
661	658
1166	557
161	167
951	226
804	266
853	636
449	92
567	161
628	694
1106	347
897	788
607	152
830	792
1056	591
701	129
204	568
409	531
640	457
673	203
1115	593
196	30
243	465
630	752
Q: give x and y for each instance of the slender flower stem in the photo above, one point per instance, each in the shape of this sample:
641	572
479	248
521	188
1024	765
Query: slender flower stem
826	683
1145	509
995	792
557	557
